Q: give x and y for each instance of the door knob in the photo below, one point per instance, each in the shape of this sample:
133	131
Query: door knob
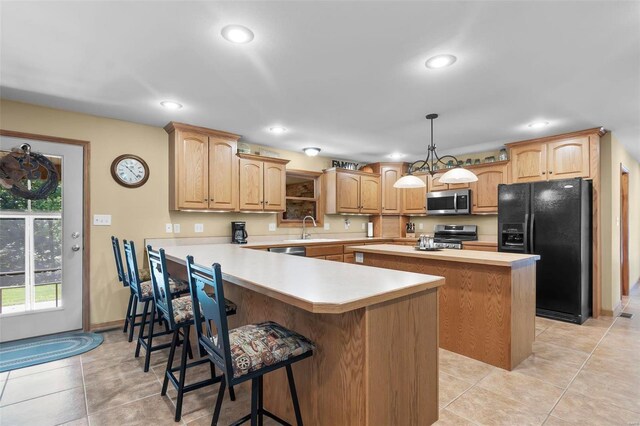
75	235
75	247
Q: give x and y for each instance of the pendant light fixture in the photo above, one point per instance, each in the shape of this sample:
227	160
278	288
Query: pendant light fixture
455	175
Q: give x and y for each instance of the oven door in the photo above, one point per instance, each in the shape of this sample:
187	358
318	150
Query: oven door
449	202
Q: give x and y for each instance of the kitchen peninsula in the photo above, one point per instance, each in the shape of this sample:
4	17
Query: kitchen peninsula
376	332
487	306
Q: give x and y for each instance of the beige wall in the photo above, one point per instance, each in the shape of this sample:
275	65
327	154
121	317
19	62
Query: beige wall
142	212
613	155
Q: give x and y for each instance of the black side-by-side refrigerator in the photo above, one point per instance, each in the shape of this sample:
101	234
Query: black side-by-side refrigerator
552	219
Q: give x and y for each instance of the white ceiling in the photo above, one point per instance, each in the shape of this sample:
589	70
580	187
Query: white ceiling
348	77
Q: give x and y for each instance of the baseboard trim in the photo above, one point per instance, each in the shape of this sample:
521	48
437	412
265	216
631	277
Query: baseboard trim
612	313
103	326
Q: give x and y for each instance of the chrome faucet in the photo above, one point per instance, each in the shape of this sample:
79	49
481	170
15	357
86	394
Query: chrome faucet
304	227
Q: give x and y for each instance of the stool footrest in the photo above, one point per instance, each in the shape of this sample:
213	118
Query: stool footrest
260	412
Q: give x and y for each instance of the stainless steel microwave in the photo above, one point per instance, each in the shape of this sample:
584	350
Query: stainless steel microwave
449	202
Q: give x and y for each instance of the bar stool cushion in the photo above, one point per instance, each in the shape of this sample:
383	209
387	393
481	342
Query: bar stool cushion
144	275
177	286
183	311
255	346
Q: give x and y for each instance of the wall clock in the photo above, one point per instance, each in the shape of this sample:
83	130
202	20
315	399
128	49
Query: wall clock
130	171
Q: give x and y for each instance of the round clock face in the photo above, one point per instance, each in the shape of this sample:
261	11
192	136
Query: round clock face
130	171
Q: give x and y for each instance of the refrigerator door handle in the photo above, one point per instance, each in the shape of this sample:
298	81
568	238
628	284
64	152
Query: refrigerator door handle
455	201
525	248
531	241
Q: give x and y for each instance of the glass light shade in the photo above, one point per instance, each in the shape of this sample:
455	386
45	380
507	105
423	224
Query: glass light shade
409	181
311	151
458	175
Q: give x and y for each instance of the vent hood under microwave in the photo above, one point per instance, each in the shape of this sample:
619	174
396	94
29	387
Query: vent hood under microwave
449	202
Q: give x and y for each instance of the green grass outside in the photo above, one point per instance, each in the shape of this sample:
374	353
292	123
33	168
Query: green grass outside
15	296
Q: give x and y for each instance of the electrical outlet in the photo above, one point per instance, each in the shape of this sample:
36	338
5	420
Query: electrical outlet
176	228
168	228
347	223
359	257
327	226
364	225
102	219
198	227
272	227
420	226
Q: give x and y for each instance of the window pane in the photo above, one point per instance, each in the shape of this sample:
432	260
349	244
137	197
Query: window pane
8	201
12	252
53	203
298	209
300	187
48	296
47	247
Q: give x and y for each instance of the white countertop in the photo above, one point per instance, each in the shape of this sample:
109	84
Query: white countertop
462	256
318	286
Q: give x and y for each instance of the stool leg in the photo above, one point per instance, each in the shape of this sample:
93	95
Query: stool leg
294	395
254	401
147	355
145	310
172	352
232	393
183	373
216	411
133	316
127	317
260	402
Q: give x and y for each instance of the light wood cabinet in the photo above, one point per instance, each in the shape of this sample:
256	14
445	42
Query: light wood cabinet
203	168
484	192
435	184
262	183
550	159
414	200
350	191
391	196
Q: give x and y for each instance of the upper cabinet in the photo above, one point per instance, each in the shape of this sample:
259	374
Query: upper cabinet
484	192
557	157
350	191
414	200
391	196
203	168
435	184
262	183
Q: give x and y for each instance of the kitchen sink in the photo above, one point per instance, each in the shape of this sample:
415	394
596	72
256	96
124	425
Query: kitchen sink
311	240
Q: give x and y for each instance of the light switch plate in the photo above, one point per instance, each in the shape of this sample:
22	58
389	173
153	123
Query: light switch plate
359	257
327	226
176	228
364	226
272	227
102	219
420	226
198	227
168	228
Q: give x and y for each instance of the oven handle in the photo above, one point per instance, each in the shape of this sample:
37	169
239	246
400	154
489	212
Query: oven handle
455	201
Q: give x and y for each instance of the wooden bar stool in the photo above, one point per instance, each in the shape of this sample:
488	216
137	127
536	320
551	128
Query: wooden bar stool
131	315
179	315
244	353
144	294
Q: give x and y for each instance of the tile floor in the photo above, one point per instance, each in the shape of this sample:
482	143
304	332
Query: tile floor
587	374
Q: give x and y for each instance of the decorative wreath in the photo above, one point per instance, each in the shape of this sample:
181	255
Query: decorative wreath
20	166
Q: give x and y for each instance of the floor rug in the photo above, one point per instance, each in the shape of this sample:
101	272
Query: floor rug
38	350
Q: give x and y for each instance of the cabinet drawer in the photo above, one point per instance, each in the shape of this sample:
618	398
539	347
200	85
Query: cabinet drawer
349	258
313	251
479	247
335	257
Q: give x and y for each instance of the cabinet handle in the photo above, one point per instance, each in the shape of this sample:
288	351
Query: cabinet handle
266	202
544	173
550	172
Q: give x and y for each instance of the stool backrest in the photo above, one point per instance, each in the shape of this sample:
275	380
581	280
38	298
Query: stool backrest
118	257
132	266
207	295
160	284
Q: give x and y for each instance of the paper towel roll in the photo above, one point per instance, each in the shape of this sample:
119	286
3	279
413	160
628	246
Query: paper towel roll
370	229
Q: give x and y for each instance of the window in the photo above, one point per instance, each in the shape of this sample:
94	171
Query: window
302	198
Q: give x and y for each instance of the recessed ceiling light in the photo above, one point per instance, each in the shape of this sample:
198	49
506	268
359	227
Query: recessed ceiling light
440	61
171	105
237	34
278	130
539	124
396	155
311	151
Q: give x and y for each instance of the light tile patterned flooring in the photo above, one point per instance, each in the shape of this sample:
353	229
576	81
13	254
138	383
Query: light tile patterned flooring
588	375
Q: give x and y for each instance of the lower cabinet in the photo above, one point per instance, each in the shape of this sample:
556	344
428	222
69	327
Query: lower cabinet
335	257
349	258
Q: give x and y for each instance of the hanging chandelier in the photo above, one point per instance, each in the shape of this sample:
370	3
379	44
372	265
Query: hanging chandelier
430	164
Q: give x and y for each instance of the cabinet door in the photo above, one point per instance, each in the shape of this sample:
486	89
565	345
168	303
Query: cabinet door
274	186
390	195
435	185
223	174
370	195
529	163
414	200
347	193
568	158
484	192
251	185
192	170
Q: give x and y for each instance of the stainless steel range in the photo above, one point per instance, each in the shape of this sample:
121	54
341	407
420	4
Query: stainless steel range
452	236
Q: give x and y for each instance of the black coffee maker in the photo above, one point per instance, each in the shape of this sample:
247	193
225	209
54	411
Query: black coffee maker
239	232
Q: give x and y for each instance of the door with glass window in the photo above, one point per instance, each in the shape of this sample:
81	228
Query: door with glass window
41	250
